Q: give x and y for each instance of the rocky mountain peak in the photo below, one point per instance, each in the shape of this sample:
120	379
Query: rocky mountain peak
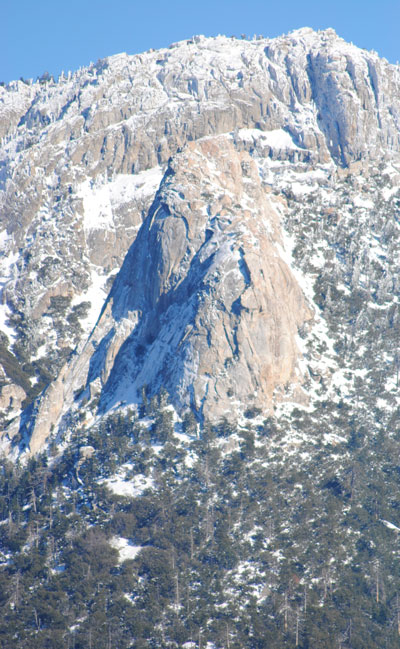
145	209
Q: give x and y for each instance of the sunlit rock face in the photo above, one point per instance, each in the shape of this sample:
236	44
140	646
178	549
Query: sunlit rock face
217	308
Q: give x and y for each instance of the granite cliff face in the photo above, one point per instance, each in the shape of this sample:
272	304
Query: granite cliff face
218	310
204	305
162	181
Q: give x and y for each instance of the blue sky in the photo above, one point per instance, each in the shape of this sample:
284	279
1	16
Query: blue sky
46	35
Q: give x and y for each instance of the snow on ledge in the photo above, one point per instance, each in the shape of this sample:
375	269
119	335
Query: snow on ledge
100	199
276	139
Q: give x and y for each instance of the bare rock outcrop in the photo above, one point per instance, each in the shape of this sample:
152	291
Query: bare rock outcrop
217	297
204	305
11	397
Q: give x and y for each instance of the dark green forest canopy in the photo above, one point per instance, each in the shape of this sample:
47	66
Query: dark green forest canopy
241	545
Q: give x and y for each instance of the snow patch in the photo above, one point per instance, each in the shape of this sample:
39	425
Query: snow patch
125	548
388	192
276	139
102	198
359	201
96	295
129	488
4	326
389	525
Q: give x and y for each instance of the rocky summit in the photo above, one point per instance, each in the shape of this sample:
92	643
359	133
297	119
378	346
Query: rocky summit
168	221
199	350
